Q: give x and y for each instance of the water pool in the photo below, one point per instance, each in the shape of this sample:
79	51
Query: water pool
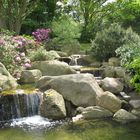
86	130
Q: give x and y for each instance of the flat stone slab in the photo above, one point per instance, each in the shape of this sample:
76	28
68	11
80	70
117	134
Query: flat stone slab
135	103
125	96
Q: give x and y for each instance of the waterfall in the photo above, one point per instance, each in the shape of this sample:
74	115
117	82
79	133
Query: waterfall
16	103
74	59
19	105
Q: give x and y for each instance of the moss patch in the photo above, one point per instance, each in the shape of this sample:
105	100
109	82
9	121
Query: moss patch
27	89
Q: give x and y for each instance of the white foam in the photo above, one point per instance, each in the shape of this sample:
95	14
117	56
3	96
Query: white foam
31	121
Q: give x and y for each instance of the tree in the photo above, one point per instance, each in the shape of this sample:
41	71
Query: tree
127	14
41	17
93	12
14	12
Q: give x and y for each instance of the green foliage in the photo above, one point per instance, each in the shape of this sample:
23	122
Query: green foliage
107	41
66	33
38	55
7	56
93	13
66	28
127	13
14	50
13	13
85	47
130	49
7	51
135	66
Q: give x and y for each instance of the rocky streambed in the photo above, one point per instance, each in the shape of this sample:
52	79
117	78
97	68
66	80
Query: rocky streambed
61	92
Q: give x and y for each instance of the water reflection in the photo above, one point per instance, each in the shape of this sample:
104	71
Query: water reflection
87	130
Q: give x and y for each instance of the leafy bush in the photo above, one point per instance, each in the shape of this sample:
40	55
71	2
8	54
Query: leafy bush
66	28
38	55
41	34
130	49
134	67
7	56
66	33
107	41
13	52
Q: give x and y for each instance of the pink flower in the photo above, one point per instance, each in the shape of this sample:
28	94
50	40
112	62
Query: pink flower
22	54
18	59
2	42
27	65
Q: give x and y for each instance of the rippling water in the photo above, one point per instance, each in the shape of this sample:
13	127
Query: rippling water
36	128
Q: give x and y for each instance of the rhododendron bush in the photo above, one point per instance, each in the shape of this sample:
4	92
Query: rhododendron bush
42	34
13	52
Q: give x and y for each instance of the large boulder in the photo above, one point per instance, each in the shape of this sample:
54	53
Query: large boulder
80	89
112	84
30	76
118	72
92	112
124	116
109	101
52	106
6	80
53	68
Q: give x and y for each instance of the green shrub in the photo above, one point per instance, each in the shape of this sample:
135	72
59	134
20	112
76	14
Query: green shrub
130	49
70	46
107	41
38	55
66	33
7	50
7	57
66	28
134	67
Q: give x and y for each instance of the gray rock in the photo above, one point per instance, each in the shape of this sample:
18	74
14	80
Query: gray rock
135	103
53	68
51	55
80	89
136	112
114	61
109	101
112	84
52	106
6	79
125	96
95	112
62	54
124	116
119	72
30	76
109	71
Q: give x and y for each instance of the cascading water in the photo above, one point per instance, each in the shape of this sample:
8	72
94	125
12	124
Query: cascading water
19	105
74	59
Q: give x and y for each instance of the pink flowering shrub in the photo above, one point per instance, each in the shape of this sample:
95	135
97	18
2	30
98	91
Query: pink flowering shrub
42	34
13	53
